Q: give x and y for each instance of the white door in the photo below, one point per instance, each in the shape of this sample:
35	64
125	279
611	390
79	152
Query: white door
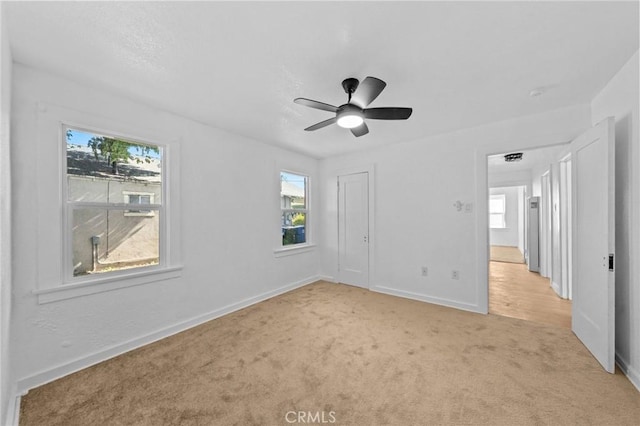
592	193
353	229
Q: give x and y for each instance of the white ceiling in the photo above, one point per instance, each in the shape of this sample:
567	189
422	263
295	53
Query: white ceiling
239	65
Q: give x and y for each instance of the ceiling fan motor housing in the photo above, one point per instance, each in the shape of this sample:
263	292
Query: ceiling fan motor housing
350	85
348	109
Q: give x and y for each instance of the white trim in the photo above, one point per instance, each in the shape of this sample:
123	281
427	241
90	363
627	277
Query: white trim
107	283
429	299
293	249
13	410
632	374
49	375
556	287
482	231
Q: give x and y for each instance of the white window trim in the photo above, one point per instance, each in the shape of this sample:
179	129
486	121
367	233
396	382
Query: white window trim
53	281
293	249
112	281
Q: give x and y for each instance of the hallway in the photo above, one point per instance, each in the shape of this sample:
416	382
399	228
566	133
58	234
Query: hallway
515	292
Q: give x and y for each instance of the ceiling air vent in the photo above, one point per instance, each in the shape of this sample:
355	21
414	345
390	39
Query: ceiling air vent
515	156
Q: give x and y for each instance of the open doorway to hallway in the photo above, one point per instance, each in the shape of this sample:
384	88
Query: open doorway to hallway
528	230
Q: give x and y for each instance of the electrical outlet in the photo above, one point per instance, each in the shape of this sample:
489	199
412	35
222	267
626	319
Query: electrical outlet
455	275
425	271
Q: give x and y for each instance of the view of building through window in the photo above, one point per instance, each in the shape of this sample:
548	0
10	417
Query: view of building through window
107	181
293	203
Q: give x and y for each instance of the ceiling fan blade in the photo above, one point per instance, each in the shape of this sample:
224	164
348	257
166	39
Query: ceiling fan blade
321	124
367	91
361	130
315	104
388	113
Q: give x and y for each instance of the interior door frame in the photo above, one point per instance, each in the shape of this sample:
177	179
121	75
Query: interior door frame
482	216
370	170
546	254
566	224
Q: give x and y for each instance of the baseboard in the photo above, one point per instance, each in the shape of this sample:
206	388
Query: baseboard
630	372
13	411
23	385
556	287
327	278
429	299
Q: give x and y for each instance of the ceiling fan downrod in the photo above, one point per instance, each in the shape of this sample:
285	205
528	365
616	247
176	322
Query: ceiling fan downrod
350	85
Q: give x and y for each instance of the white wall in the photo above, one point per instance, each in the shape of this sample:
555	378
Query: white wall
619	99
517	178
230	222
509	235
5	218
416	224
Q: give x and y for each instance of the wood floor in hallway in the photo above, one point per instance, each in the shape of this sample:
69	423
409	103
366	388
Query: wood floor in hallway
517	293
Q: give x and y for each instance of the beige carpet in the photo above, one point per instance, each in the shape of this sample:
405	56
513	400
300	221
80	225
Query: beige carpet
359	357
506	254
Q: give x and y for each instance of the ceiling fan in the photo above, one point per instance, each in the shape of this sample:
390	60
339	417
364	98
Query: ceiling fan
352	114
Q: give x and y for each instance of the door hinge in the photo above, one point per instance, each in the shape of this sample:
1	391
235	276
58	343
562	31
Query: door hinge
611	262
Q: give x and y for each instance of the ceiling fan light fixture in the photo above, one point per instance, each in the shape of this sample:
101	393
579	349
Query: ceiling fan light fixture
349	116
349	121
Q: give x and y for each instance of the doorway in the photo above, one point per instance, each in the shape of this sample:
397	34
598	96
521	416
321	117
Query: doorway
527	219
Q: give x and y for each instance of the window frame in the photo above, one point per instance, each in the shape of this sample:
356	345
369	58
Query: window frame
502	214
51	285
296	247
68	207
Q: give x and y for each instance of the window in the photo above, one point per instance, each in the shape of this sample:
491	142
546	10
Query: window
294	207
107	180
138	198
497	209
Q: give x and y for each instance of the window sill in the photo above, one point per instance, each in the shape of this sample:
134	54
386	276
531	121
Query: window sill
107	283
288	251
